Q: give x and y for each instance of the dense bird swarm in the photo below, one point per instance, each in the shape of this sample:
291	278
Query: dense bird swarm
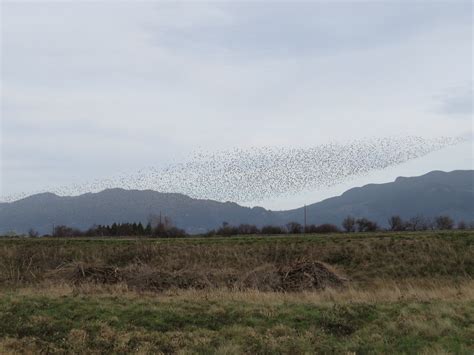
256	174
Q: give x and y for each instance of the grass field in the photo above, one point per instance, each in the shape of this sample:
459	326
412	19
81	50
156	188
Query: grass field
402	293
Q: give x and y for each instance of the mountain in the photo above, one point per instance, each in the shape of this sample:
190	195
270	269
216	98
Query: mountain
42	211
433	194
430	195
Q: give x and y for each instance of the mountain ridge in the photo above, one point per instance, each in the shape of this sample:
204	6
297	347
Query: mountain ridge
431	194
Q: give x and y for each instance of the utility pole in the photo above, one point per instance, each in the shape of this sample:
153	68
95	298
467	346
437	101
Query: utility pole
304	230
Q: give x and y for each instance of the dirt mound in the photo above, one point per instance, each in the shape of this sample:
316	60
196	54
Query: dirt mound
309	275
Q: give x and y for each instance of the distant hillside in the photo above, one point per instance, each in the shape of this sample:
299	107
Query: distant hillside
117	205
432	194
429	195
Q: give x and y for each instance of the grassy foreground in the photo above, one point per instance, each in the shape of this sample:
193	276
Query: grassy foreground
406	293
233	323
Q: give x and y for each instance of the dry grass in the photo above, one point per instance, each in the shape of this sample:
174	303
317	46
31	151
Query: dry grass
381	291
361	259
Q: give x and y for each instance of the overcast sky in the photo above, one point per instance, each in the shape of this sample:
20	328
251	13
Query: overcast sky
93	89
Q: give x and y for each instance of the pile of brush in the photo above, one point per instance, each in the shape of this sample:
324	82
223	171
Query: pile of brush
96	274
309	275
299	276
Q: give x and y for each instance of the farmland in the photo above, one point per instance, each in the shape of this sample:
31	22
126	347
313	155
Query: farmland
375	292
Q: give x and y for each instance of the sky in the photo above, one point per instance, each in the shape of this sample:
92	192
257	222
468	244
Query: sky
94	89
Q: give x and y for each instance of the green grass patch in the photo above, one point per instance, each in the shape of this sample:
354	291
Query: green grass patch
79	324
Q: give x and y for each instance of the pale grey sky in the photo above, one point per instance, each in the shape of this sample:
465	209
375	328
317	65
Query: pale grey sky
93	89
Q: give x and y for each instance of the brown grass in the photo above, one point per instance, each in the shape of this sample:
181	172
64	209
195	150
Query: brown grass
265	264
381	291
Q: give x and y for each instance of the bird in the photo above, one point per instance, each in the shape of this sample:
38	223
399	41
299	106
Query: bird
250	175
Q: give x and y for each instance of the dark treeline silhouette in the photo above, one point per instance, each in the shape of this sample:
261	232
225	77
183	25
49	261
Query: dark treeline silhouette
289	228
349	225
121	229
156	227
114	230
163	227
420	223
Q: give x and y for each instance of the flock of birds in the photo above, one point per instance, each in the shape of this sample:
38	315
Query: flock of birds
256	174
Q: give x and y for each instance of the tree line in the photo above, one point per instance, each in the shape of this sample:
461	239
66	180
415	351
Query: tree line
156	227
348	225
164	228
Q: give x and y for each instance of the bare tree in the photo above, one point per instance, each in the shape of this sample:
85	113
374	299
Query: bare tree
33	233
414	223
396	223
294	228
365	225
349	224
444	222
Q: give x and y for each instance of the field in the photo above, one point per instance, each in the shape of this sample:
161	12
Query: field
340	293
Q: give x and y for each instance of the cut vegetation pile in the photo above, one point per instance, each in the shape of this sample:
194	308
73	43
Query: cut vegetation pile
299	276
96	274
308	276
